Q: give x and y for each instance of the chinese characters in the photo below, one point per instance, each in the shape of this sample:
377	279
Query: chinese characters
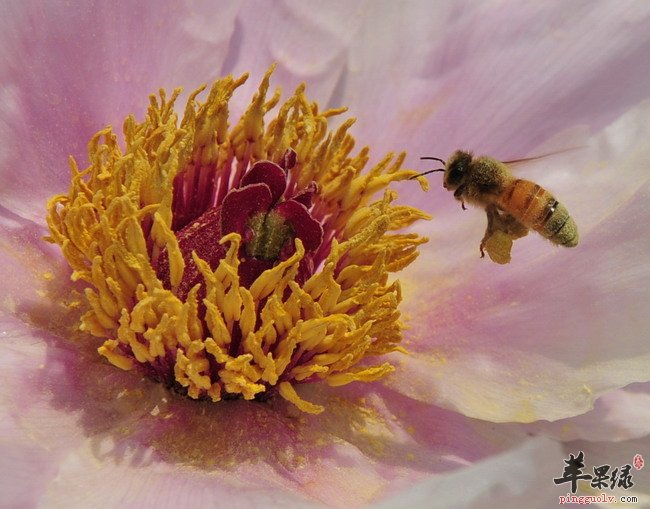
619	477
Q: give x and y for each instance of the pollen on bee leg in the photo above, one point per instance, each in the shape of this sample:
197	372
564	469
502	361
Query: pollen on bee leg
238	262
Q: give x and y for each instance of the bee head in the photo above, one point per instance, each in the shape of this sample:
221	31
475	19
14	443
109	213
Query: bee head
456	169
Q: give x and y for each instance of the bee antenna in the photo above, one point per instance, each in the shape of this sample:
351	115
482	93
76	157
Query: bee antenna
434	159
425	173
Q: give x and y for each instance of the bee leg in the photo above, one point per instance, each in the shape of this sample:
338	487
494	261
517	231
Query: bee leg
458	193
491	212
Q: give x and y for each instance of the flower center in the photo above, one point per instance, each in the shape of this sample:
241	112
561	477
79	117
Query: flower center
238	262
269	233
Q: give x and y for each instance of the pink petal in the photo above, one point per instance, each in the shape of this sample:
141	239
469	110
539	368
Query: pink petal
619	415
498	78
522	476
454	76
517	478
69	70
308	42
128	442
29	267
92	426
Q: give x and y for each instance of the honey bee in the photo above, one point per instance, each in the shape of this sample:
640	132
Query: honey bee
513	205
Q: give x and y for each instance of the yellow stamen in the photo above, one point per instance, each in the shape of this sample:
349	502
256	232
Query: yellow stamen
118	217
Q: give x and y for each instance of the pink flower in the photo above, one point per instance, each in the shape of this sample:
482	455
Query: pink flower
537	340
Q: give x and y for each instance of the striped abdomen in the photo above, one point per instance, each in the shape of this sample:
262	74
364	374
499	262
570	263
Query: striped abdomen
536	208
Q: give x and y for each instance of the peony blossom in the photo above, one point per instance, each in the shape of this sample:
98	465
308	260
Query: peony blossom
509	368
240	262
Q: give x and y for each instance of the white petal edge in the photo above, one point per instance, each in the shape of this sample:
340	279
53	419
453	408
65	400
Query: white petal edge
515	479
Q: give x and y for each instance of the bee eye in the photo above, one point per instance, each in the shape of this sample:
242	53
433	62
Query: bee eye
455	174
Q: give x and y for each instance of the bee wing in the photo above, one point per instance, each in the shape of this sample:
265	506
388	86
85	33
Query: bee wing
516	162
